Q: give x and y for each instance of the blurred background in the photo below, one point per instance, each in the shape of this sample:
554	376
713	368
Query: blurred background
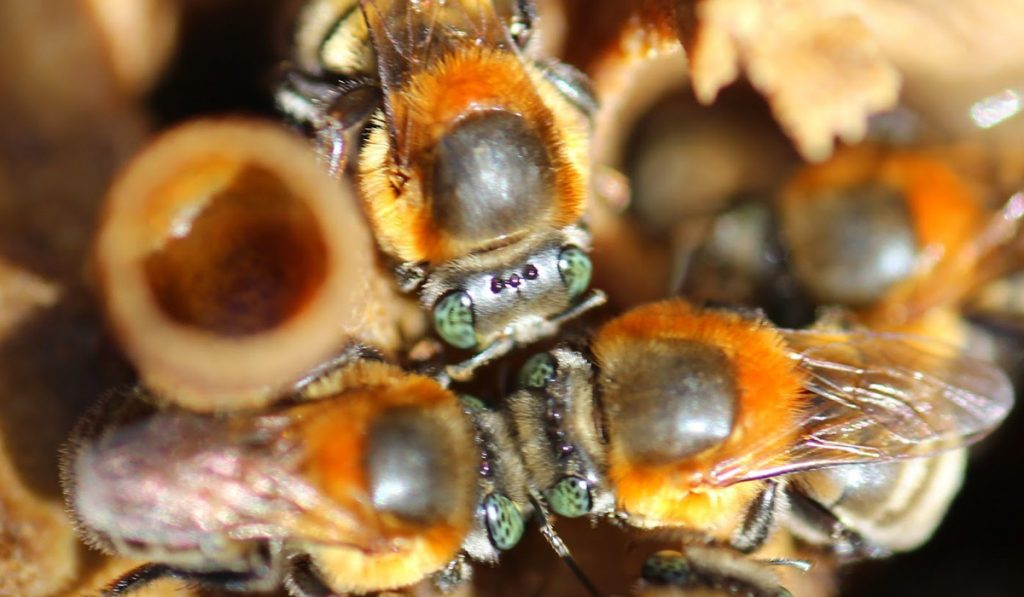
87	82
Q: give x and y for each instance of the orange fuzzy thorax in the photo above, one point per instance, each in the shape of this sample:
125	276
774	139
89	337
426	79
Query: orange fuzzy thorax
385	552
947	215
348	569
945	209
395	180
770	397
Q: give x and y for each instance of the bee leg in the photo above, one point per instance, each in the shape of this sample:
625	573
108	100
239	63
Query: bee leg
846	542
572	84
457	573
556	543
351	353
303	581
139	577
495	350
333	111
759	520
592	300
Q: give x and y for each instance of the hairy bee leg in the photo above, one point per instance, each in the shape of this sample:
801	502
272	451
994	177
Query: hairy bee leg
556	543
504	344
136	578
801	565
847	542
139	577
302	580
572	84
495	350
354	351
334	110
592	300
457	573
759	519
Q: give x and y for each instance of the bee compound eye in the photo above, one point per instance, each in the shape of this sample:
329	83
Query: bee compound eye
570	497
472	404
453	320
504	521
538	371
667	567
576	269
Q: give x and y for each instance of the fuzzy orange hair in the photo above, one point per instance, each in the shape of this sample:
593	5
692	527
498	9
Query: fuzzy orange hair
946	211
471	80
770	398
334	428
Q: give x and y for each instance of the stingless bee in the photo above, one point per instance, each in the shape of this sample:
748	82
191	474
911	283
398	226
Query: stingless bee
473	168
923	241
694	420
897	238
373	479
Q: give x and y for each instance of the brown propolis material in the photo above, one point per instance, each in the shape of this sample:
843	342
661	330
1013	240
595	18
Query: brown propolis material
230	264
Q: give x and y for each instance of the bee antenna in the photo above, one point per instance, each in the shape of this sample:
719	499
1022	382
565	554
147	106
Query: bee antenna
801	565
556	543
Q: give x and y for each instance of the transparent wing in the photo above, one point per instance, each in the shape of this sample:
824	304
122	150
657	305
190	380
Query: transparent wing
874	397
184	480
411	35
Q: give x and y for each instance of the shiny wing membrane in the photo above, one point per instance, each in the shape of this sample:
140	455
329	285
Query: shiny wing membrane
873	397
412	36
180	477
409	36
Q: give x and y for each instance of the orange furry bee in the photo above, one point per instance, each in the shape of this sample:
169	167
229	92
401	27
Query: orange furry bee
473	168
897	237
372	478
692	420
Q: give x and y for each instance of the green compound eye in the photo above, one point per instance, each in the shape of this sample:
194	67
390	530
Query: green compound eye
504	521
575	267
538	371
667	568
453	320
472	403
570	497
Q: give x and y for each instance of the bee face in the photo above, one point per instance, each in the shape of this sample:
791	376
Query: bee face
478	298
504	502
556	422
